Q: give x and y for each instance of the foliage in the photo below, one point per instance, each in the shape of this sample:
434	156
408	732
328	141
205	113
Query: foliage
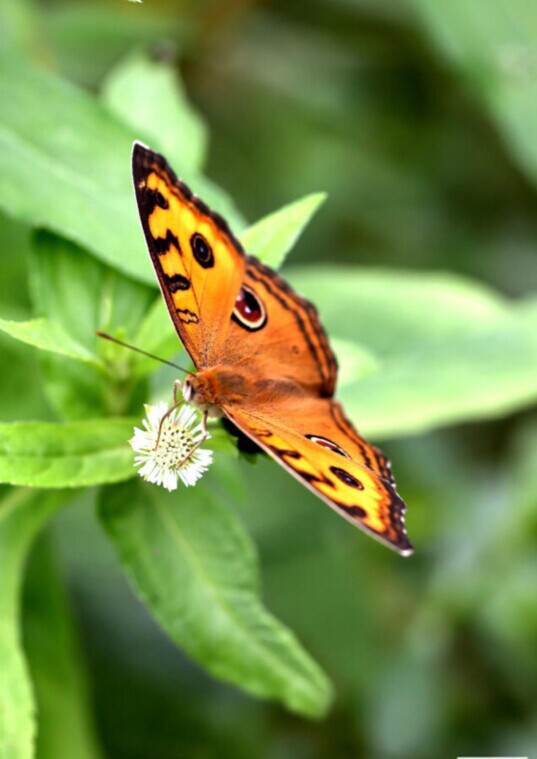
420	152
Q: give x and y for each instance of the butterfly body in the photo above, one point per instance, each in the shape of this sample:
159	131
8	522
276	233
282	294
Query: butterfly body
229	387
212	389
263	360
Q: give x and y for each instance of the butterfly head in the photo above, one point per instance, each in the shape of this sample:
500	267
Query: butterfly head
188	388
199	389
211	389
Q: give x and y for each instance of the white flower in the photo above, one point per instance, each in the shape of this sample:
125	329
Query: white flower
172	458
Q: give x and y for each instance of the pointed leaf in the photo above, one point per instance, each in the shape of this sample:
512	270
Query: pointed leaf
157	335
493	46
137	89
76	180
441	349
48	336
66	455
271	238
73	289
194	566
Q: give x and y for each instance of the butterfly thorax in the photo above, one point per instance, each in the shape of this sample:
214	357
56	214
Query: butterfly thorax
210	389
225	386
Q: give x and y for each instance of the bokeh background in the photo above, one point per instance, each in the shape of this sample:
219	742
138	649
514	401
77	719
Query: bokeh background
418	119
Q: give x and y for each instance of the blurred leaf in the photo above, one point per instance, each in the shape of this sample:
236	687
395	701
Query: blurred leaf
75	178
510	611
48	336
21	394
81	294
493	46
157	335
447	349
14	256
408	677
20	366
225	479
22	513
523	477
64	729
89	38
195	568
354	361
66	455
271	238
137	89
19	21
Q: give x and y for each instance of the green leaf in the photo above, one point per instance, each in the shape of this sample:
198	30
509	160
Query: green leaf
54	659
22	514
76	179
81	294
441	349
523	478
494	48
157	335
354	361
271	238
89	39
20	368
137	89
48	336
19	21
66	455
195	568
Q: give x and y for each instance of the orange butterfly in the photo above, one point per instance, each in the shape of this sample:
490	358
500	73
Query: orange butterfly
263	359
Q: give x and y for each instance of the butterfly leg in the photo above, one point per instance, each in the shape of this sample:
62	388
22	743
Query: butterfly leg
203	438
177	386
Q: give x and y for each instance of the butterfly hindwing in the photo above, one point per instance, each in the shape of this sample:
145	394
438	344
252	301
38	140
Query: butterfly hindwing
315	442
199	264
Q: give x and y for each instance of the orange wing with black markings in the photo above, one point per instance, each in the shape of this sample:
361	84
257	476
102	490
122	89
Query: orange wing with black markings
279	333
199	263
262	355
315	442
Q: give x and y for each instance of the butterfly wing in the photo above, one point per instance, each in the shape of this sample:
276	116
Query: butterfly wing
315	442
202	270
279	333
231	310
199	264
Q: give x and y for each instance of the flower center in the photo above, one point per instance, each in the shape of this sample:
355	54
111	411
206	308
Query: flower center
174	446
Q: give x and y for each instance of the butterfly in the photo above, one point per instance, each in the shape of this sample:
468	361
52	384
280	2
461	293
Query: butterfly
262	358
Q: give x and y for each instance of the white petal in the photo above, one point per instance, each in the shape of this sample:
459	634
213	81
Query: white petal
179	432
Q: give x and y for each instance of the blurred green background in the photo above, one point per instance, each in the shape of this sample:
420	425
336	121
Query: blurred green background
419	119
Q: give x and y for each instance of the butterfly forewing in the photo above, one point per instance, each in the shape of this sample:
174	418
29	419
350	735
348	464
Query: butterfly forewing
198	262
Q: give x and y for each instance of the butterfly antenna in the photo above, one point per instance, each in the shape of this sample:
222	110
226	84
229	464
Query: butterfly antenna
106	336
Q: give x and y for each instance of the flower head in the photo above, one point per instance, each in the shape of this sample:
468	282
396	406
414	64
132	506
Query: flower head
164	459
